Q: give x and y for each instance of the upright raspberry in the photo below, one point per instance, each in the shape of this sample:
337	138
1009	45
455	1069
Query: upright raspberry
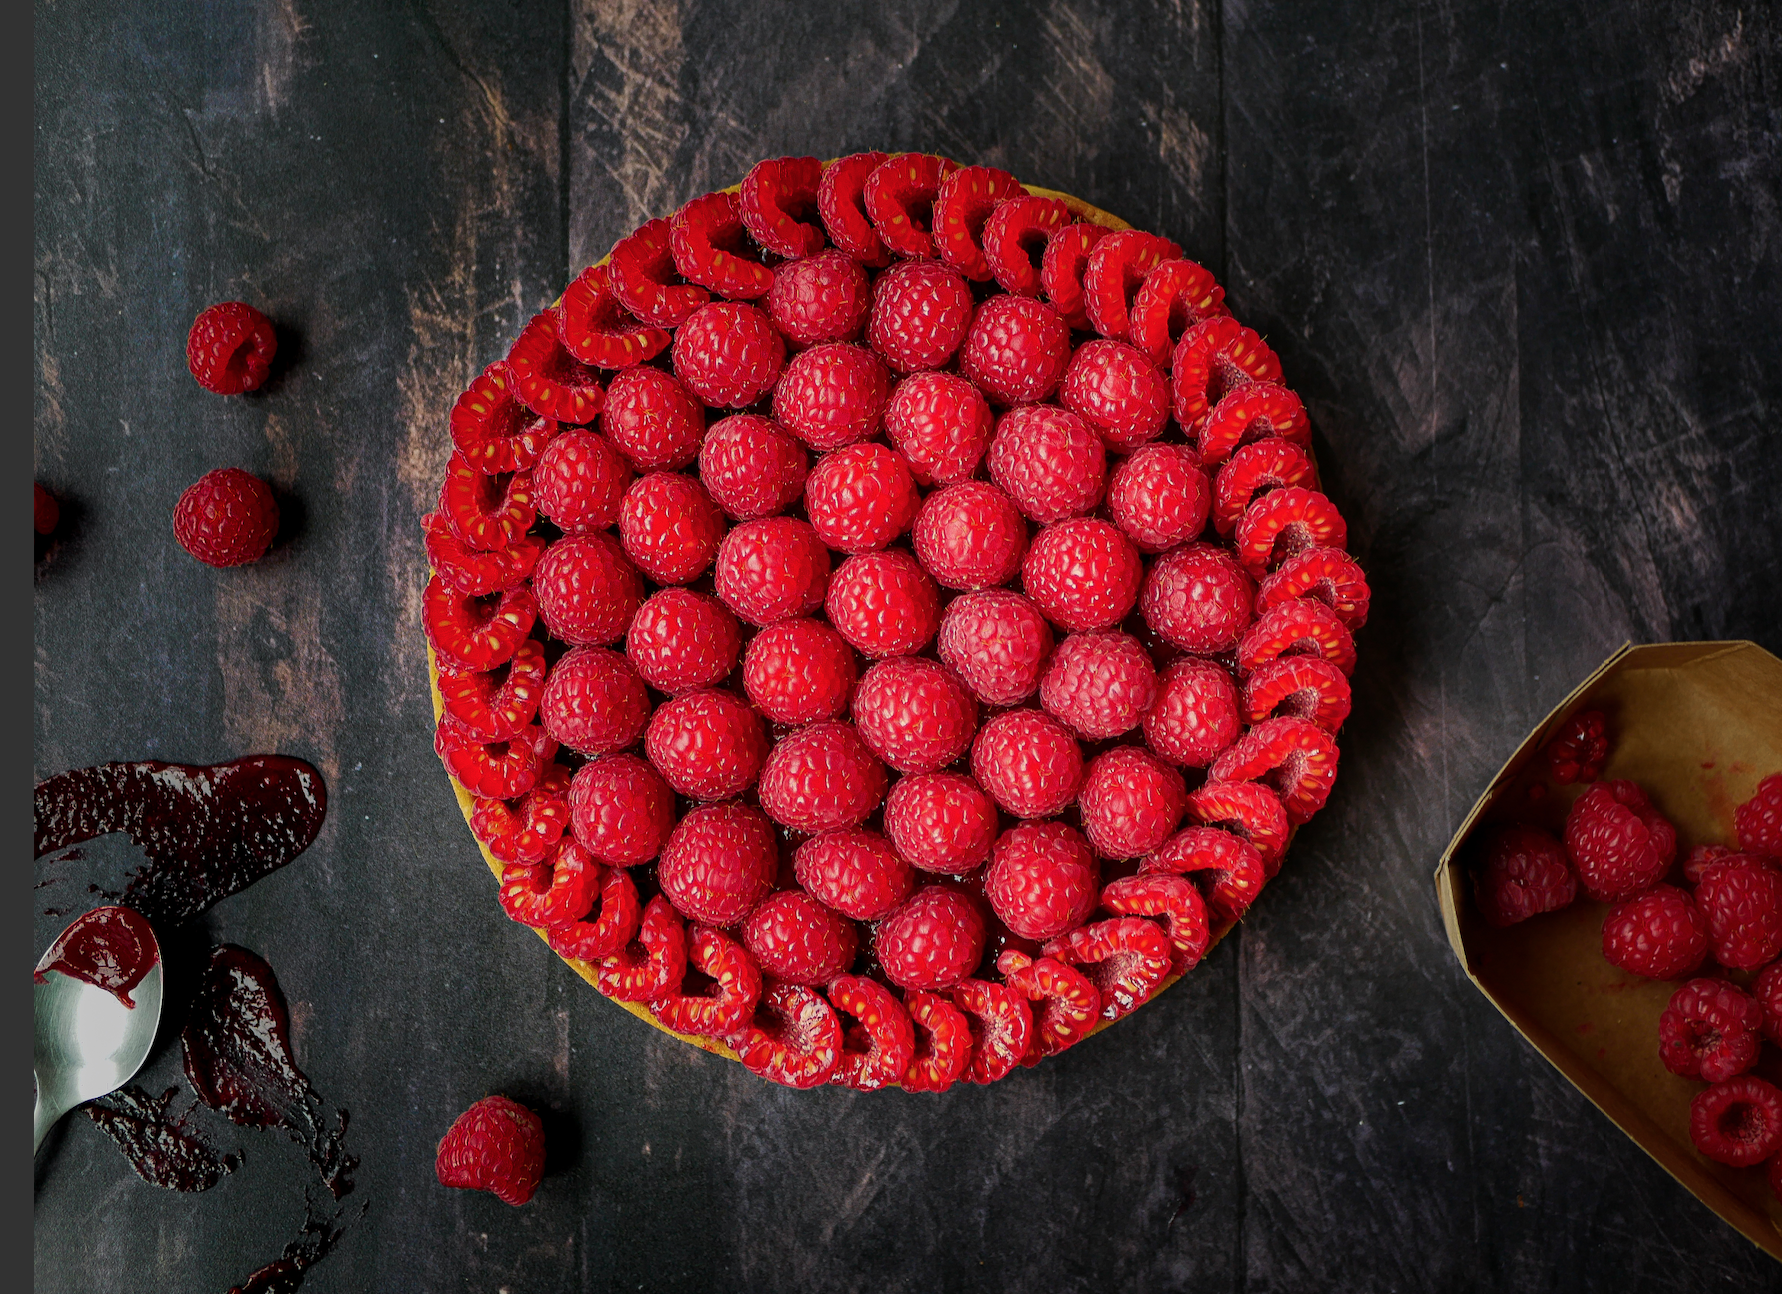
1523	873
729	353
861	497
833	394
1029	763
669	526
1016	349
821	778
942	424
226	518
579	480
855	872
772	569
1101	684
820	298
1741	897
1042	879
1195	716
920	313
1083	573
719	863
799	671
914	714
680	640
798	940
1159	497
1130	801
934	940
655	421
752	467
940	822
230	348
1619	843
885	604
594	702
998	642
970	536
1117	390
1759	819
708	745
621	810
1660	934
1198	599
587	589
1049	462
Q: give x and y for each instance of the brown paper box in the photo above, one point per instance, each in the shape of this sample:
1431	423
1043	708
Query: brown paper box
1696	725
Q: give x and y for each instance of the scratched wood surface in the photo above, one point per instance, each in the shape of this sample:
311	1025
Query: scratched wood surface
1520	261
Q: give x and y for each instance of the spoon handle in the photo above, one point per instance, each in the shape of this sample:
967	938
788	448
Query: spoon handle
43	1120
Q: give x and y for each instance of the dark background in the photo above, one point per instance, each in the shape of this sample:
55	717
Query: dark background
1520	260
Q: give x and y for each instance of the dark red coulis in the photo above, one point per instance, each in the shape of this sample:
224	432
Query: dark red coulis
159	1146
110	948
208	831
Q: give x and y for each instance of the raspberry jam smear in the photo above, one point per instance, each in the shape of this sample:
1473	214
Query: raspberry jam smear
109	948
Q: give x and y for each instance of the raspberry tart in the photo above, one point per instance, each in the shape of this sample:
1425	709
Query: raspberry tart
884	622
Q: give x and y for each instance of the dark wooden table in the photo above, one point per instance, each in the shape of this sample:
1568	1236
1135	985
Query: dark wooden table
1520	261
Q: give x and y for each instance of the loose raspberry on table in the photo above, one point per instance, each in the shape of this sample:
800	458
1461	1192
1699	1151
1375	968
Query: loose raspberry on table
1083	573
855	872
998	642
1522	873
1710	1031
962	206
772	569
878	1047
1014	241
653	419
550	381
587	589
494	429
792	1039
1195	715
940	822
1101	684
1016	349
1741	897
620	809
1159	497
486	512
594	702
1062	265
833	394
942	424
475	633
1307	687
914	714
798	940
1042	880
932	941
1660	934
1302	627
226	518
642	273
1197	598
230	348
465	570
495	704
1001	1026
1759	819
719	862
680	640
861	497
1049	461
727	1003
943	1042
752	467
799	671
1737	1122
708	744
1028	762
820	298
778	203
885	604
1294	756
1231	869
970	536
841	202
1130	801
1127	959
1255	412
900	195
713	249
579	480
1172	899
920	313
597	330
1251	472
1618	842
821	778
669	527
1114	273
729	354
1116	389
497	1145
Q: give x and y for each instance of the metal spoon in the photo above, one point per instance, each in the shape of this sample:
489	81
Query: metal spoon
88	1041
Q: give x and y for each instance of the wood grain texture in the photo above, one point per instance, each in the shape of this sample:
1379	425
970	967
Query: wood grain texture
1522	263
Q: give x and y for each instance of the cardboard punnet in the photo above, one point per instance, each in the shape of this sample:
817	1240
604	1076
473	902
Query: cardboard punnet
1697	725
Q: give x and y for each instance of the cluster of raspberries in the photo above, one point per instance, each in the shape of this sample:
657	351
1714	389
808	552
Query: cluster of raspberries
1667	920
937	600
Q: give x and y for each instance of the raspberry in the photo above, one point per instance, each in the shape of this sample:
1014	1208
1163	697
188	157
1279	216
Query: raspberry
1619	843
1741	896
1294	756
1254	470
45	511
611	928
1049	461
1114	273
226	518
799	671
1016	349
1759	819
1176	295
1260	411
1214	357
711	248
579	481
1710	1031
882	1025
940	822
499	770
963	204
486	512
470	633
1302	627
1061	269
778	203
751	467
1247	809
942	424
1523	873
772	569
653	418
934	940
1071	1004
587	589
1101	684
1578	750
920	313
1326	575
680	640
1126	959
527	830
549	380
719	863
1130	801
1195	715
494	430
998	642
1028	762
1118	391
855	872
495	704
1767	989
943	1043
497	1145
861	498
652	964
620	810
821	778
900	195
597	330
669	526
1083	573
555	893
1001	1026
1175	900
729	353
464	570
832	395
728	1005
230	348
707	745
792	1039
797	939
1698	860
885	604
1283	523
1198	599
824	297
841	201
914	714
970	536
641	272
1158	497
1015	237
594	702
1738	1122
1233	866
1042	879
